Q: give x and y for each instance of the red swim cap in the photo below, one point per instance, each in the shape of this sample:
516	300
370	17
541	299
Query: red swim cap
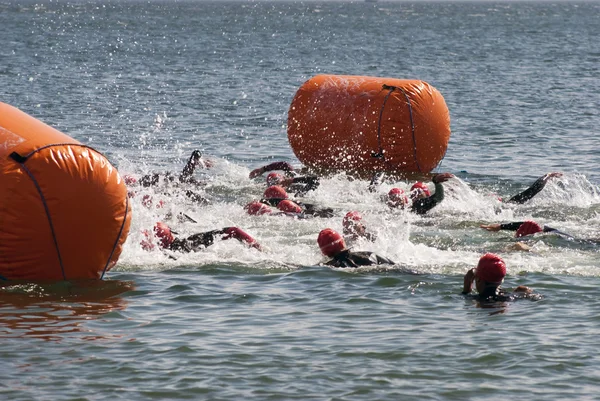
289	207
491	268
275	192
397	198
418	187
527	228
256	208
163	232
274	179
351	218
129	179
330	242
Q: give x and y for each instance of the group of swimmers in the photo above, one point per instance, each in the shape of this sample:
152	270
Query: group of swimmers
282	177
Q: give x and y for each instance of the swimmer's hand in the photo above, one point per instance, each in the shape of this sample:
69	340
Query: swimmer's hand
523	289
552	175
443	177
490	227
519	246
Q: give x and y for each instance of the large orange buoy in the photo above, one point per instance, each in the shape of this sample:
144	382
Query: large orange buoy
64	212
365	124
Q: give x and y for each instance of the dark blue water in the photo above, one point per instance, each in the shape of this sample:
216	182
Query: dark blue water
147	82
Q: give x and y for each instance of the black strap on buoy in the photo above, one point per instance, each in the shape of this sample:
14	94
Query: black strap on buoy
118	237
412	125
381	153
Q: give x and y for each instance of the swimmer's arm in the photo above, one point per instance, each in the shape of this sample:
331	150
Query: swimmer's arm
534	189
468	281
284	166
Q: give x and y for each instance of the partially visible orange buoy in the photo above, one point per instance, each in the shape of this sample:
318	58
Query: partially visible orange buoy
365	124
64	212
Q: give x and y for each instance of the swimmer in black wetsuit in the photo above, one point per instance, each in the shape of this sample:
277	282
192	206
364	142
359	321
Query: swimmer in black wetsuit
153	180
195	242
421	199
333	245
488	276
276	193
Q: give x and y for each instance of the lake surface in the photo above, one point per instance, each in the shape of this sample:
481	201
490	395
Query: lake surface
146	83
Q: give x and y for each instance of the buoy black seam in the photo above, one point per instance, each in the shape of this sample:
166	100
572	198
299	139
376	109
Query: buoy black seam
118	237
412	126
381	154
56	144
43	199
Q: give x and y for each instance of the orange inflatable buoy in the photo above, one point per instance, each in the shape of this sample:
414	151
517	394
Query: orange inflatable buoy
364	125
64	211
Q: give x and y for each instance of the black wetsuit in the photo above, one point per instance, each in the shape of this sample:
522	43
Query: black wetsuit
195	242
530	192
302	184
307	208
348	258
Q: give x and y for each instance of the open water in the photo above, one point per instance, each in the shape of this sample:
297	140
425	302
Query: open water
146	82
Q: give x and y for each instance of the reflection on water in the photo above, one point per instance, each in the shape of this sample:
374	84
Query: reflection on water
48	311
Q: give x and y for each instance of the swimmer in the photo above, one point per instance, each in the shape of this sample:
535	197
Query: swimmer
529	228
332	244
354	229
195	242
421	200
276	193
488	276
299	185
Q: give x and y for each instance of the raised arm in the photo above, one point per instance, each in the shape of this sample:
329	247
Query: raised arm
422	206
534	189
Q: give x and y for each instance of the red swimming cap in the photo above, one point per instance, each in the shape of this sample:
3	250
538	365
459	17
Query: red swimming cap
330	242
163	232
420	188
289	207
527	228
491	268
397	197
275	192
129	179
257	208
274	179
351	218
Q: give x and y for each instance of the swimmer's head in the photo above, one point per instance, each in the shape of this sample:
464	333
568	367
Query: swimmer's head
274	179
331	242
397	198
257	208
275	192
419	190
491	269
527	228
288	206
164	234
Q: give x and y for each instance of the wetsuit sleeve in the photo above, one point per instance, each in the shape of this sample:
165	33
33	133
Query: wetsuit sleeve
514	226
530	192
311	181
422	206
284	166
202	240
